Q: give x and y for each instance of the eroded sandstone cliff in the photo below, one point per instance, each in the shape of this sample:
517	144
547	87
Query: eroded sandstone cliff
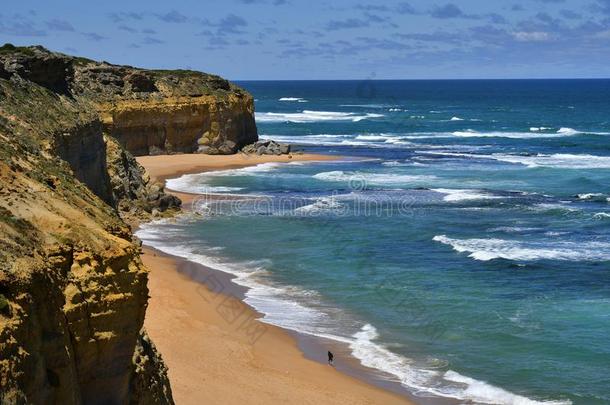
147	111
73	291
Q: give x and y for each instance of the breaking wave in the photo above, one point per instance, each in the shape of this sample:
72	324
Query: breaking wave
489	249
314	116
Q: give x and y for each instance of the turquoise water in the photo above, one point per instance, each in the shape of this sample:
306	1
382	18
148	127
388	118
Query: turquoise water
466	254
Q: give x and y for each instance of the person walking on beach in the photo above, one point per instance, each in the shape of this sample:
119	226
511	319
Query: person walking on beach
331	358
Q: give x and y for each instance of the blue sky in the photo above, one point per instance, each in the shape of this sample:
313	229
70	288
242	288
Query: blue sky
290	39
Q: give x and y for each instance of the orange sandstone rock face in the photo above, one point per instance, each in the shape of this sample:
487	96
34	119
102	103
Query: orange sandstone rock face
207	123
73	290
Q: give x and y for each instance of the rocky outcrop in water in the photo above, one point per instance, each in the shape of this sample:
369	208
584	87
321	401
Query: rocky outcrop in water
267	147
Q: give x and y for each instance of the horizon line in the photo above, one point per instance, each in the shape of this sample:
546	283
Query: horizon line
419	80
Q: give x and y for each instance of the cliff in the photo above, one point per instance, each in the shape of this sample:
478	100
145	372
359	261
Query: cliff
73	290
147	111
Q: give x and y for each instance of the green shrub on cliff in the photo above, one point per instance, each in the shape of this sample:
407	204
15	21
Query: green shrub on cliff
10	48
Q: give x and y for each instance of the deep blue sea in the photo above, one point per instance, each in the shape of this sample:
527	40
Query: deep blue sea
463	249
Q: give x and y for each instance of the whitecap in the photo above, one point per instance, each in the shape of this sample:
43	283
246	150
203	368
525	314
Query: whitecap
449	384
457	195
322	204
197	183
497	134
456	119
304	311
535	132
602	215
514	229
553	207
280	305
297	99
313	116
489	249
558	160
568	131
373	137
364	105
483	392
362	179
592	197
555	233
396	163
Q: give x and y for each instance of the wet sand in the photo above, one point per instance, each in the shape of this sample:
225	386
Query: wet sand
215	349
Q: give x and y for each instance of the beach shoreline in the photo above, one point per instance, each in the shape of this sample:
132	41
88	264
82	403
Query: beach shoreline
199	304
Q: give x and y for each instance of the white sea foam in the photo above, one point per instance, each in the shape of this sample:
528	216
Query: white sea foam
322	204
555	233
313	116
514	229
362	178
198	183
194	183
373	137
592	196
456	119
457	195
497	134
558	160
602	215
281	305
535	132
245	171
568	131
387	139
449	384
376	356
304	311
365	105
396	163
554	207
482	392
297	99
489	249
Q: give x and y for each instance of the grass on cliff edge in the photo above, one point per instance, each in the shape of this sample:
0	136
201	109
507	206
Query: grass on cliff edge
10	48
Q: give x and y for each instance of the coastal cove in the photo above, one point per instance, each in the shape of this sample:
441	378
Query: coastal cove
461	252
235	359
167	236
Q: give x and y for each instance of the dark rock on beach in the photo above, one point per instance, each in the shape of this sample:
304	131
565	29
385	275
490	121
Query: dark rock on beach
267	147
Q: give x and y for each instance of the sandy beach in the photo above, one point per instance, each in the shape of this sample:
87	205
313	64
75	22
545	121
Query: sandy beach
162	167
215	349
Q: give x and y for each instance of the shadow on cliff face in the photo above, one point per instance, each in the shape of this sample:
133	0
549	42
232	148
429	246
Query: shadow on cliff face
147	111
78	137
36	64
73	289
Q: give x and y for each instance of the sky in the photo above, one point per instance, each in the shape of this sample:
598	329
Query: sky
312	39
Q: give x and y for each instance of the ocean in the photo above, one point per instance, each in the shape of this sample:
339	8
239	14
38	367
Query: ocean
462	247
